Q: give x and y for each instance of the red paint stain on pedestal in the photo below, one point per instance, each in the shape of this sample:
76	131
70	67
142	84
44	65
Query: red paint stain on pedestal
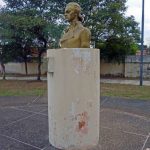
82	125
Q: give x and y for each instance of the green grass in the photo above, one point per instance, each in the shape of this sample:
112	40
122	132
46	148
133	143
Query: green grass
34	92
34	88
22	88
125	91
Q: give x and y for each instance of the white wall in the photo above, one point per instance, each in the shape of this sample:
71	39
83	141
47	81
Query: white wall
19	68
132	66
113	69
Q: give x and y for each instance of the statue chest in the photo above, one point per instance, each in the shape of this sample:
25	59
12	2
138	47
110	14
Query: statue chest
71	39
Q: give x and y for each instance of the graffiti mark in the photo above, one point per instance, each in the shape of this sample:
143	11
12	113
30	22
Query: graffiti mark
82	120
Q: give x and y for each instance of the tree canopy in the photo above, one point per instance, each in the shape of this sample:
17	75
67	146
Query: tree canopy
37	23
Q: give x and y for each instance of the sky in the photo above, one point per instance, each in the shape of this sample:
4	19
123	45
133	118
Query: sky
135	9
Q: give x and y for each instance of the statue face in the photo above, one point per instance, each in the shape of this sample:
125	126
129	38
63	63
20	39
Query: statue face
70	13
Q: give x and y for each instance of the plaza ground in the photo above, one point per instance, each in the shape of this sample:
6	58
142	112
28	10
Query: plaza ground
125	124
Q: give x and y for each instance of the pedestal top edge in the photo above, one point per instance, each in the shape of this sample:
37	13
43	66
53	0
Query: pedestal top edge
51	52
74	49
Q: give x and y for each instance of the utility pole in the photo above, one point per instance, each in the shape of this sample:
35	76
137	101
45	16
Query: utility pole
142	46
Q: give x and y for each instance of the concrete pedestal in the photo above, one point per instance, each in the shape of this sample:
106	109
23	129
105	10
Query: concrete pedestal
73	97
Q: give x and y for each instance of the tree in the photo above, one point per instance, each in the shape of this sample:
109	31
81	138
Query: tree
6	55
122	41
3	60
116	35
28	21
114	49
14	35
43	21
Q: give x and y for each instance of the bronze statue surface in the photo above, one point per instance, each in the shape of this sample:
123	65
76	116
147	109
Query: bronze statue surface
76	35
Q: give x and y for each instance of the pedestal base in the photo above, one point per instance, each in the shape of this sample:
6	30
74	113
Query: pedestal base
73	97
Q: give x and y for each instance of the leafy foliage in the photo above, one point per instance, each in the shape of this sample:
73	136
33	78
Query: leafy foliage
116	48
39	23
27	24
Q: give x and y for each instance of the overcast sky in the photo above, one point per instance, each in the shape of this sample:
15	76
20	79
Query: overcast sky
135	9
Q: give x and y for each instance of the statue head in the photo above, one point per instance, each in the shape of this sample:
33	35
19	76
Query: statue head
73	12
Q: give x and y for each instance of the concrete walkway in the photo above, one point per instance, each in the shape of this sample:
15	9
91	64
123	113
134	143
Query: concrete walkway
124	124
24	78
119	81
125	81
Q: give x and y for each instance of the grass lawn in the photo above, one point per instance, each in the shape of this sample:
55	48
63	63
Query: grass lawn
23	88
125	91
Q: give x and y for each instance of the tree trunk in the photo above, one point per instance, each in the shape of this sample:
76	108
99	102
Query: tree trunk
3	71
40	59
39	66
26	66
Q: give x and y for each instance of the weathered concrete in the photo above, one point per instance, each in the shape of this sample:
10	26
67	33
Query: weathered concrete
132	66
73	97
112	69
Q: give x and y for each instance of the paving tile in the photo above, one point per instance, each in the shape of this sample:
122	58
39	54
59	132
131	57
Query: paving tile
15	100
10	144
32	108
103	100
45	112
115	140
50	147
124	121
147	145
117	114
8	115
141	107
33	130
41	100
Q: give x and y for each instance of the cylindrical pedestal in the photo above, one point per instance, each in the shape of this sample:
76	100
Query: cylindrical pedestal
73	97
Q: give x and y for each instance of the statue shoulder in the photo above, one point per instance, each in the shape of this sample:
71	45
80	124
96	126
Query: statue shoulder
86	31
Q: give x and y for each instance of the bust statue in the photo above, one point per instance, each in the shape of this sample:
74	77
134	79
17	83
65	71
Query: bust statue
76	35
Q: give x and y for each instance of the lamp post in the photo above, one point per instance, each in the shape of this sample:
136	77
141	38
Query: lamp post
142	46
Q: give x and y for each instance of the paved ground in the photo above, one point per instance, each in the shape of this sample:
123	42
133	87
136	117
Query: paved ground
126	81
125	124
103	80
